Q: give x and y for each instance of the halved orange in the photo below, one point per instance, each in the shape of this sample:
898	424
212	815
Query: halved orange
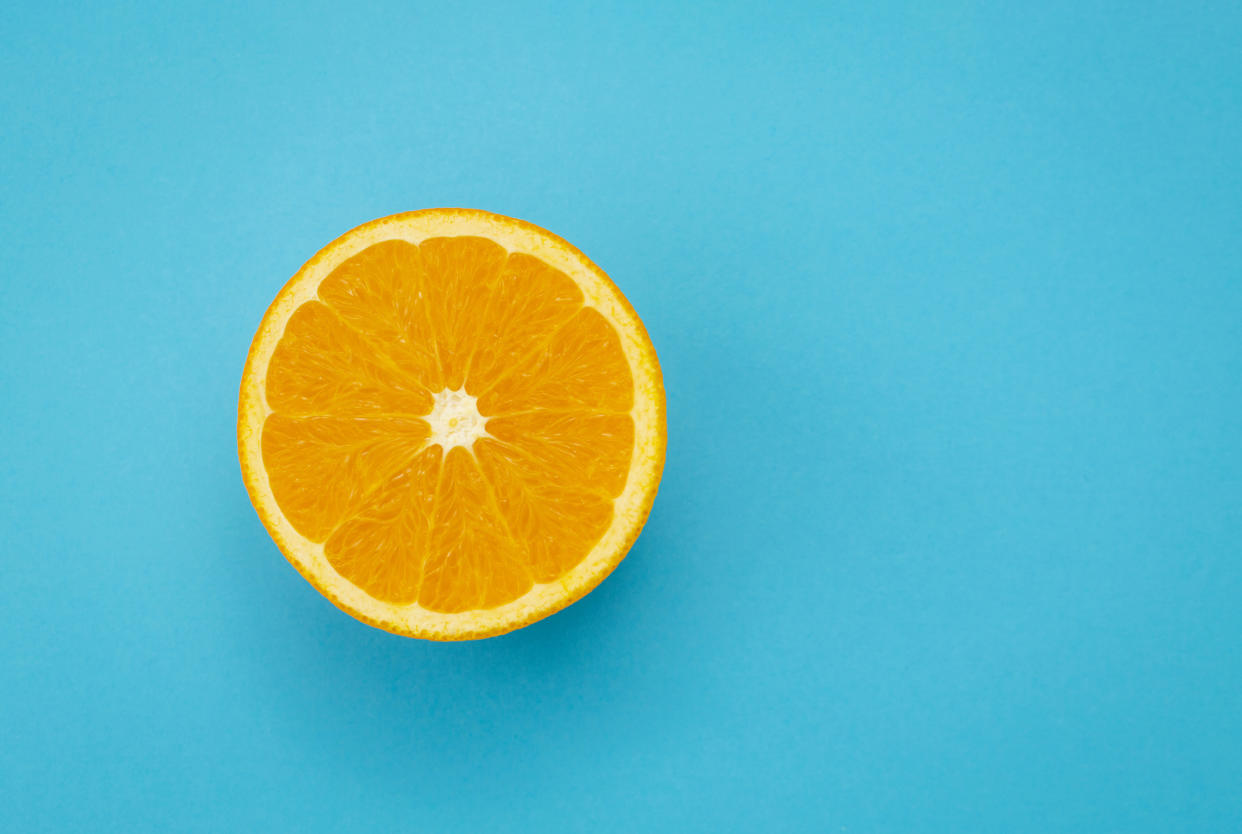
452	423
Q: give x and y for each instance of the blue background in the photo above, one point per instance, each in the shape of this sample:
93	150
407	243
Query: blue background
948	303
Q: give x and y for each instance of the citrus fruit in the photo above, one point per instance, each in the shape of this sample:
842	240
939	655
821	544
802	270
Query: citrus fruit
452	423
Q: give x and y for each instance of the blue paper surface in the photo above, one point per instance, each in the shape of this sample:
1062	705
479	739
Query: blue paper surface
948	301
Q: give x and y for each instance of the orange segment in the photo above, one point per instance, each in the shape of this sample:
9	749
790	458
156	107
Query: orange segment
321	468
558	523
321	366
381	549
529	302
464	271
582	366
588	450
452	423
473	560
379	293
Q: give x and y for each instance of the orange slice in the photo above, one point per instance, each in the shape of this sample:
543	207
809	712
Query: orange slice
451	423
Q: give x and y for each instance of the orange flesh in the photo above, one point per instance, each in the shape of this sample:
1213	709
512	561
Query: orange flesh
347	450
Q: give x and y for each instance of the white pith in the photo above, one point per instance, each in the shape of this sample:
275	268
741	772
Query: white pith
455	420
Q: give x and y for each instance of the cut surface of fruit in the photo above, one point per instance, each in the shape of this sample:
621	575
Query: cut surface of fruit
452	423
